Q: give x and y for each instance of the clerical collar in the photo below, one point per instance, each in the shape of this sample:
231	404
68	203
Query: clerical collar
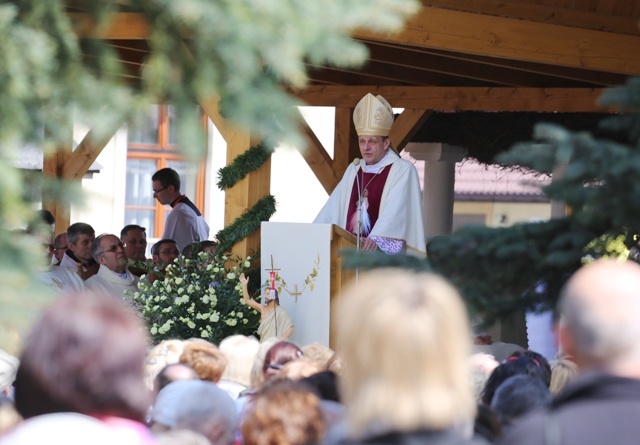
177	200
375	168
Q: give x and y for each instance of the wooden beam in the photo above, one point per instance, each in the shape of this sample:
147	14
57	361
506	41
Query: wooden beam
406	125
487	69
248	191
319	160
517	39
85	154
122	26
555	15
345	146
460	98
52	166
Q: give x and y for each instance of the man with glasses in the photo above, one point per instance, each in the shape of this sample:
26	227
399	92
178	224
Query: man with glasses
184	223
113	277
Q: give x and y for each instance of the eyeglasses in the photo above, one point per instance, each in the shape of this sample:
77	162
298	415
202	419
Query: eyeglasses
169	252
155	192
113	248
60	248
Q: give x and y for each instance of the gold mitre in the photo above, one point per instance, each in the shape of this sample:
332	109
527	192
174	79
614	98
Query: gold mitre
373	116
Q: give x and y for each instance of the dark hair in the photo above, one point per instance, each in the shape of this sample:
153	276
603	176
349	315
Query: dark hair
172	373
279	354
75	230
519	395
324	384
510	367
128	227
41	217
544	365
166	177
85	355
155	249
192	250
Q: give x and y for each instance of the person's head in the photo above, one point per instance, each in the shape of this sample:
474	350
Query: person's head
198	406
277	356
373	118
79	239
319	353
191	251
299	368
164	252
519	395
482	365
166	185
286	413
205	358
85	355
60	246
240	352
562	371
109	251
599	323
541	362
43	219
404	337
324	384
167	352
134	238
514	365
173	373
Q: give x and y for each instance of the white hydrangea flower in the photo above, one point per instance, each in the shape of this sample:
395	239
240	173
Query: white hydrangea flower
204	334
214	317
191	324
179	280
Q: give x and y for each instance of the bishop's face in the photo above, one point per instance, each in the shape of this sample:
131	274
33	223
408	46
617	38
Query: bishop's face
373	148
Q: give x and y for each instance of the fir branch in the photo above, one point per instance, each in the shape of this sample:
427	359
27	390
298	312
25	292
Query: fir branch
249	161
246	224
353	259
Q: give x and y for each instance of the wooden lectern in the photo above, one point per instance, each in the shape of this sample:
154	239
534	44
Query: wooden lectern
306	259
340	240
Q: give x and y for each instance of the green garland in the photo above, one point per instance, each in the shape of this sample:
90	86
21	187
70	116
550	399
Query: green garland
247	223
244	164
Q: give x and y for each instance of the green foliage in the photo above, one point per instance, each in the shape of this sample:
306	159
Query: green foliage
249	161
197	298
524	266
246	224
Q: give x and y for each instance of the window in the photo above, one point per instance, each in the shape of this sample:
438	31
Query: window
152	146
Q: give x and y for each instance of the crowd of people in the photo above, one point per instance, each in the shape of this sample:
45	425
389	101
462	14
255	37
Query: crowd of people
404	372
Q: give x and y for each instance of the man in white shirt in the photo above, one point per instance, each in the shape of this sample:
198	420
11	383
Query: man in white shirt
113	277
184	223
61	279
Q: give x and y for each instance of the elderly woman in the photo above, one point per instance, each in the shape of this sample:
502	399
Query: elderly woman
404	337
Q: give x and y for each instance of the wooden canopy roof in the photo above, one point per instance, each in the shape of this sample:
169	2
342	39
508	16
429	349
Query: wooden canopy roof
454	55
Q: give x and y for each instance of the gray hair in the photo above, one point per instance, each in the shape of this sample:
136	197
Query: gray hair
75	230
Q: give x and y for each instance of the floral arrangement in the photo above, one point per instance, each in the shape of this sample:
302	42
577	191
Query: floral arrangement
196	298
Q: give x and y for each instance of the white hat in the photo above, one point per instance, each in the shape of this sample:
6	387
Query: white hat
373	116
8	367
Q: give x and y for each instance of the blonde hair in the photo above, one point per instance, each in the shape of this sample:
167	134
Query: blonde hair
405	340
240	352
205	358
319	353
165	353
562	371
